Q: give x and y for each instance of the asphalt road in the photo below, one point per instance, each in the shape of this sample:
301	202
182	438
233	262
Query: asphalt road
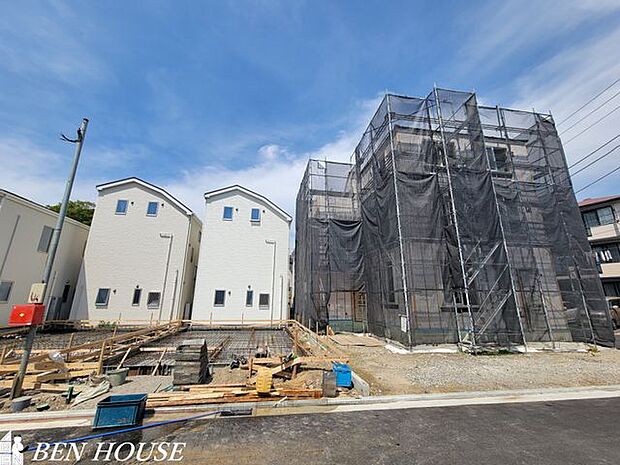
563	432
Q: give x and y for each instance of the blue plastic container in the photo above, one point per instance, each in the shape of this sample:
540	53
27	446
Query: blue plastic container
343	374
120	410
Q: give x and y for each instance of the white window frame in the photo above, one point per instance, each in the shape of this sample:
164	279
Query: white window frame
124	212
107	297
249	293
156	208
260	216
133	297
232	213
151	306
215	304
264	306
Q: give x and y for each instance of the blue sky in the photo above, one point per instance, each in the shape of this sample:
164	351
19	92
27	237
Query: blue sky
196	95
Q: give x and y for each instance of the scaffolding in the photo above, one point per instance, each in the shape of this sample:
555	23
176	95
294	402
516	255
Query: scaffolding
456	223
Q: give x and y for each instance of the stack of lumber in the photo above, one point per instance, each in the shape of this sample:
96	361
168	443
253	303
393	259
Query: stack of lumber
45	372
191	362
206	394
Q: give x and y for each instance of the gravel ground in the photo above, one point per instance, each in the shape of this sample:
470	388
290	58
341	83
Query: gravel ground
390	373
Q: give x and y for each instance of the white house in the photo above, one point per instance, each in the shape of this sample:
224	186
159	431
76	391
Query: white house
141	258
243	269
25	234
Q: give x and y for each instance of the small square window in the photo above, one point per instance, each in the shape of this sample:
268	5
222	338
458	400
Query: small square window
151	209
103	295
255	216
228	213
153	300
249	298
121	207
5	290
45	239
220	298
137	294
263	301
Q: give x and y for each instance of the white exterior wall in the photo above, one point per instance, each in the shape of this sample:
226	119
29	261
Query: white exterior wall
128	251
21	224
235	257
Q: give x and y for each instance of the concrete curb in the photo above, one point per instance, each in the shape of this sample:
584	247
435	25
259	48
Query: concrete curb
76	418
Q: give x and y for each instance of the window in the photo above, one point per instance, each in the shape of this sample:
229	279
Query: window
121	207
249	298
103	295
598	217
255	216
137	294
612	289
46	238
220	298
263	301
151	209
605	215
153	299
5	290
498	158
228	213
607	253
65	292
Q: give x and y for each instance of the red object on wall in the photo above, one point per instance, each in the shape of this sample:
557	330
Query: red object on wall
27	315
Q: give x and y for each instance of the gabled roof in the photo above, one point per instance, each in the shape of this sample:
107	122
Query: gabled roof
39	207
237	187
148	185
596	200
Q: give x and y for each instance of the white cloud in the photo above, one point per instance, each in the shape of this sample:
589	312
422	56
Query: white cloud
33	172
565	82
276	172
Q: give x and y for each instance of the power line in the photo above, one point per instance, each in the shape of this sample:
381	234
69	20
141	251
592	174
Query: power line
592	111
598	179
594	151
592	125
595	161
588	102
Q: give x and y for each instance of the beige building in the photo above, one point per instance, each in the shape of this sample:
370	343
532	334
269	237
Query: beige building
140	261
602	219
243	271
25	234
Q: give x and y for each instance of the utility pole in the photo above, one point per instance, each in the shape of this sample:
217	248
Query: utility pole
18	381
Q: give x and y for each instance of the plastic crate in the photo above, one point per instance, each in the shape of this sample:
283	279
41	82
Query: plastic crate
120	410
343	374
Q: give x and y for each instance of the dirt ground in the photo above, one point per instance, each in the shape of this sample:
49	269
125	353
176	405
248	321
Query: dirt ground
390	373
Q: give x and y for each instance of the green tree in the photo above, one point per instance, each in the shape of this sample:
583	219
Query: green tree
79	210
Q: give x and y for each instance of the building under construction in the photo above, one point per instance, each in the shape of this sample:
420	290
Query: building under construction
457	222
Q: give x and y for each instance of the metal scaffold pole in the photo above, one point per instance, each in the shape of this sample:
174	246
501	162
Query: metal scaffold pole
398	222
454	217
505	246
18	381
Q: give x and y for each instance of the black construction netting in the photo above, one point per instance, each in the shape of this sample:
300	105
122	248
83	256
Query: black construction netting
456	223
